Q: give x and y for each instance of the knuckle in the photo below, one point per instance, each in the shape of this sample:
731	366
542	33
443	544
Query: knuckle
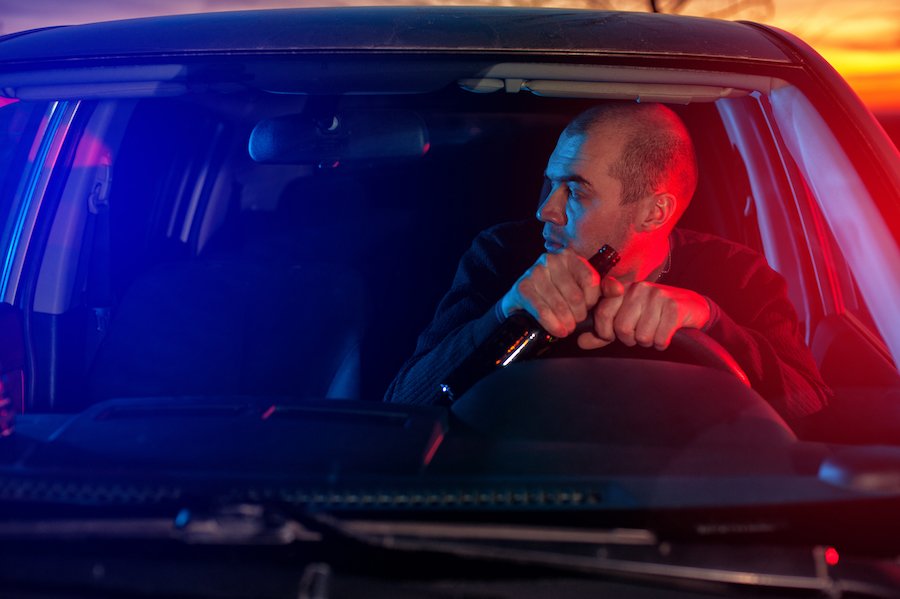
575	297
670	312
605	313
644	340
538	270
645	289
559	306
662	341
634	290
602	326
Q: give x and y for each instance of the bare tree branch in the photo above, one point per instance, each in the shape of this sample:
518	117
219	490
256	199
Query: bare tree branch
721	9
768	6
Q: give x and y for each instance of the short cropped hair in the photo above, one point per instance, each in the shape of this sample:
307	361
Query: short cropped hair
658	152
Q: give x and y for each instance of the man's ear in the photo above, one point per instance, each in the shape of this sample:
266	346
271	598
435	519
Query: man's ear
659	210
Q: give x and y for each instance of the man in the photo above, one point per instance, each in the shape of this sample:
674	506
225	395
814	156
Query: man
621	174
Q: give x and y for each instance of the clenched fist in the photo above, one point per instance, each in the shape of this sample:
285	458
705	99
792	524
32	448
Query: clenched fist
559	290
643	313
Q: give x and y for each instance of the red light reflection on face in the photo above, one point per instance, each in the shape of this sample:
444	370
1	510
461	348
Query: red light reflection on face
831	556
7	101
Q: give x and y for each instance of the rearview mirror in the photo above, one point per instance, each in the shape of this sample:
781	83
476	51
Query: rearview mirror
347	137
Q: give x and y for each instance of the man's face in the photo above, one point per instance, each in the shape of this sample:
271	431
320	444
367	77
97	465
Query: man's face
583	210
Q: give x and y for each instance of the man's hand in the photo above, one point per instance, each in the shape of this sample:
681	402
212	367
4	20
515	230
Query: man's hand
643	313
558	291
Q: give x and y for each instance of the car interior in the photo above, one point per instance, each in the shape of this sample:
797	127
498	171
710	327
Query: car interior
208	243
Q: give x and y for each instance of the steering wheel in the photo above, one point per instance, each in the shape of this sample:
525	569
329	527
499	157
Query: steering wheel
699	348
691	346
637	396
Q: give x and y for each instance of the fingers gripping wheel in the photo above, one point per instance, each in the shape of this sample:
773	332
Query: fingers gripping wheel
697	347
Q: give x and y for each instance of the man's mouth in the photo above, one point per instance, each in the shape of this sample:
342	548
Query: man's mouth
553	246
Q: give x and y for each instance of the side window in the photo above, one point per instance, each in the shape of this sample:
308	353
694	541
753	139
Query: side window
19	125
16	121
846	285
722	204
772	200
855	253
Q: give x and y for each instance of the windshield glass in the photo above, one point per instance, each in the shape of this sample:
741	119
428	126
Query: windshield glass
363	247
445	299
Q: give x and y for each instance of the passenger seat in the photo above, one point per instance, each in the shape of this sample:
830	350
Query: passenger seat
234	327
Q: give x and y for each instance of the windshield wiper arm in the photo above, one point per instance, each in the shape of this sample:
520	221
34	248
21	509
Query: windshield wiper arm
244	524
593	551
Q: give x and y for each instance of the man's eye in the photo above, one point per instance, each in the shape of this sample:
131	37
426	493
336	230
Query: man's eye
574	194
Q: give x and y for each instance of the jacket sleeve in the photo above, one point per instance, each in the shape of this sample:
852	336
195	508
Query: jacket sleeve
463	320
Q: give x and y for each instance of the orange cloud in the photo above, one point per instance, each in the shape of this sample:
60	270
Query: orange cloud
861	40
874	75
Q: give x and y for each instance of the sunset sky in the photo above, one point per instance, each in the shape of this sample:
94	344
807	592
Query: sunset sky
861	38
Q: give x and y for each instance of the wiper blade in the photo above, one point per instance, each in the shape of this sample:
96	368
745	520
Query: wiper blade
493	532
633	554
244	524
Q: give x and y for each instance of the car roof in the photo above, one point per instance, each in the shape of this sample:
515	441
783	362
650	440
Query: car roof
356	29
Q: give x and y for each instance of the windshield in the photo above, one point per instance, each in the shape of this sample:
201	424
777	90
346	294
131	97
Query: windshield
462	303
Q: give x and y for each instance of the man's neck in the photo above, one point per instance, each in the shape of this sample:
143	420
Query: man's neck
648	265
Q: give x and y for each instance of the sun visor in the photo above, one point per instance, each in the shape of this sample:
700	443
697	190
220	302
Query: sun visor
94	91
101	82
641	92
676	86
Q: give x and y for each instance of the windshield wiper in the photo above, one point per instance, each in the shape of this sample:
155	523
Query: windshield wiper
244	524
633	554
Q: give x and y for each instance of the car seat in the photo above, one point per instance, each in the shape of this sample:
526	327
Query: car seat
225	327
272	313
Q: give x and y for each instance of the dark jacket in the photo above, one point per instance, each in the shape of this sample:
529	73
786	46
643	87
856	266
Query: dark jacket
752	315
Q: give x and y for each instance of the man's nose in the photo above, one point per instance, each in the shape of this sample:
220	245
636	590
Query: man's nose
553	209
